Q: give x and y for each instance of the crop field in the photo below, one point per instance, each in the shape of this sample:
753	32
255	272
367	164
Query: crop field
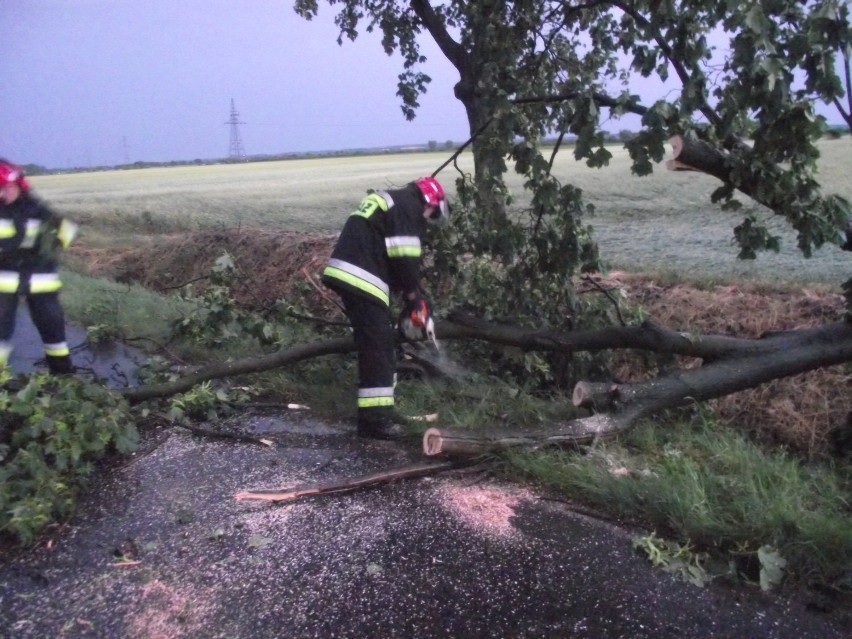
664	222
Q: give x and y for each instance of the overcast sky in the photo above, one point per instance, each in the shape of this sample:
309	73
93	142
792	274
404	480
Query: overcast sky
104	82
99	82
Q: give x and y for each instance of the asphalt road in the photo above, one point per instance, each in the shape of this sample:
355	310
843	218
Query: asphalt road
162	549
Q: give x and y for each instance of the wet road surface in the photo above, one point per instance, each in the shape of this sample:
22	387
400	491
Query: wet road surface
113	363
446	556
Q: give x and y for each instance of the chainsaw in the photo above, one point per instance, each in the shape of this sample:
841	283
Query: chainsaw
418	324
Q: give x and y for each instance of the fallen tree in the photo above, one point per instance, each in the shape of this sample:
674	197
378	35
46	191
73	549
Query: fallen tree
727	365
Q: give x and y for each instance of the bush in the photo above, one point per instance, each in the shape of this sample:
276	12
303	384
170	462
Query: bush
51	431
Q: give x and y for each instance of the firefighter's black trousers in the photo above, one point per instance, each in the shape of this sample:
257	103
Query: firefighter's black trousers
49	320
375	339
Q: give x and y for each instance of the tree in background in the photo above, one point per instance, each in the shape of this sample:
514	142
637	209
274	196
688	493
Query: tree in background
536	67
737	85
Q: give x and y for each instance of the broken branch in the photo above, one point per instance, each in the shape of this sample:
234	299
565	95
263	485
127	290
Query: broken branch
346	484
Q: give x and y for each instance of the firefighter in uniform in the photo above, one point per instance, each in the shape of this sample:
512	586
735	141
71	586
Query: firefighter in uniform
376	257
30	234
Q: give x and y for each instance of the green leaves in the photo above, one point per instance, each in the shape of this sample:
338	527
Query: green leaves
217	317
753	237
691	566
675	558
60	426
202	402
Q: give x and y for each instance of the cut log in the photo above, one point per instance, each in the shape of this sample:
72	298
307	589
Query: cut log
466	444
346	484
460	443
601	396
695	155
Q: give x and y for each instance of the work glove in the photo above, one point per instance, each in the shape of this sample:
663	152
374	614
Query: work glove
55	234
415	318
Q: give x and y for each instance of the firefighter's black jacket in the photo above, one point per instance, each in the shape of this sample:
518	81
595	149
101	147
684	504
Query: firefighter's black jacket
379	250
30	234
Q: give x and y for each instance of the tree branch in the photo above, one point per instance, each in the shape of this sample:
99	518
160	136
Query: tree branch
601	99
682	72
219	370
847	74
348	484
648	336
689	154
454	52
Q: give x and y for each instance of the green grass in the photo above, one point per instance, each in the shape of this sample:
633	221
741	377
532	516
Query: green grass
136	312
708	486
300	195
141	317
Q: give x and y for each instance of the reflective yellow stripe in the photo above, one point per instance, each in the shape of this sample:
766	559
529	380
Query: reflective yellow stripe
44	283
403	246
30	233
404	251
360	273
374	402
374	397
57	350
7	229
369	205
357	282
9	281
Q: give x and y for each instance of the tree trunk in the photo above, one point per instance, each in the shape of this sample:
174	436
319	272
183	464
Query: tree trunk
488	160
728	365
465	444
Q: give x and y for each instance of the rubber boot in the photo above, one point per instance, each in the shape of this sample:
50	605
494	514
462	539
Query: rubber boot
60	365
384	427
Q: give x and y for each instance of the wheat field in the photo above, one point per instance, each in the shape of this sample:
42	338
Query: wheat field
664	222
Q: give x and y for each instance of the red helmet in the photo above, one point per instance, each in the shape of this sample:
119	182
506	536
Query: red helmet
11	174
434	195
